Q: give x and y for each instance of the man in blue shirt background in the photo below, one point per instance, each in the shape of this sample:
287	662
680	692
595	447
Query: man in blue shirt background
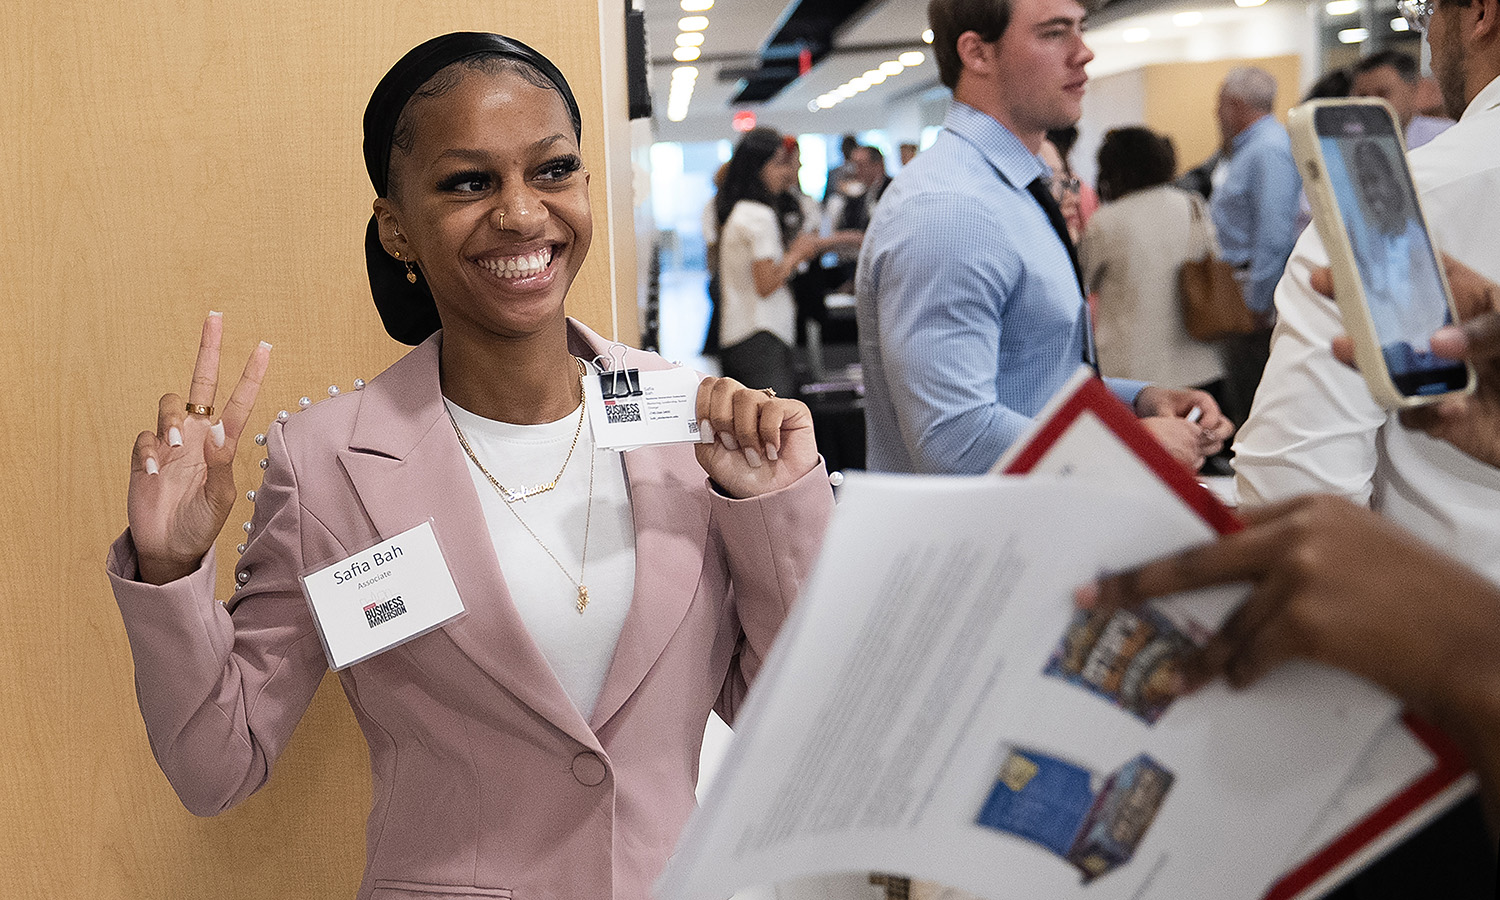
1255	203
971	313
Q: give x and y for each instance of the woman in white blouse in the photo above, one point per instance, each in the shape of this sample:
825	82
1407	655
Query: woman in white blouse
1131	252
759	251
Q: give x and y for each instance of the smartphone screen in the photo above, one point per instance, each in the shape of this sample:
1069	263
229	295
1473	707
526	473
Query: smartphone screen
1396	262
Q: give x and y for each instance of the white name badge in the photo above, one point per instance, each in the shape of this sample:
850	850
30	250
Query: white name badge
382	597
634	408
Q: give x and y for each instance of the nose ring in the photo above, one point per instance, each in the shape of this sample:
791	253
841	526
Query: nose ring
502	220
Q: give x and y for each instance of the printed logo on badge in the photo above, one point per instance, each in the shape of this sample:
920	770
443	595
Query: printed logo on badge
382	596
634	408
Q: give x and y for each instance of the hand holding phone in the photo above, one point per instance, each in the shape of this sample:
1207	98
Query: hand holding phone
1470	422
1389	286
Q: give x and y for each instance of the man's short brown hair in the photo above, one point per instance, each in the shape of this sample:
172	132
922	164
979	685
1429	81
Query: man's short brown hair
951	18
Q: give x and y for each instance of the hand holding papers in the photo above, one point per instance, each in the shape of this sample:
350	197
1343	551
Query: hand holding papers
934	707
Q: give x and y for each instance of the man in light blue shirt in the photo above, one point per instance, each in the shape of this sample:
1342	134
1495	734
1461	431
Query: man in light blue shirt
1255	205
971	313
1255	208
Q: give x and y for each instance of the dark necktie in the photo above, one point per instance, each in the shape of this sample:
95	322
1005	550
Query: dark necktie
1038	188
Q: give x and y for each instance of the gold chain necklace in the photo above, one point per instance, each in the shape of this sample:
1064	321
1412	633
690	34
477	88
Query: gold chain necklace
522	492
512	496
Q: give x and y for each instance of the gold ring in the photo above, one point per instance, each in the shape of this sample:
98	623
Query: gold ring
198	409
768	392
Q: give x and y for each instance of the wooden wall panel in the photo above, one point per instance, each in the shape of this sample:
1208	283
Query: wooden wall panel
1181	99
162	158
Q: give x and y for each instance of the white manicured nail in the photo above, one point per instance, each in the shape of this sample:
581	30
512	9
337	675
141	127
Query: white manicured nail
215	312
174	437
770	453
151	467
216	431
752	458
728	441
705	431
265	344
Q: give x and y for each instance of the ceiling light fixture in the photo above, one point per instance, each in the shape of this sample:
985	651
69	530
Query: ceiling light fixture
690	39
1187	19
697	5
1341	7
686	54
1400	24
1246	4
1135	35
692	23
878	75
927	36
1353	35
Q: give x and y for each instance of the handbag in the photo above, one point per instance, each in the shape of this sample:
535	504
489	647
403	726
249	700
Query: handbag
1213	307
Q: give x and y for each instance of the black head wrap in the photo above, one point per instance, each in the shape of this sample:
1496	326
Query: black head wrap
406	309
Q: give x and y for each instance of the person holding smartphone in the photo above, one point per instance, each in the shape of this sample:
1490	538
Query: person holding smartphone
1314	426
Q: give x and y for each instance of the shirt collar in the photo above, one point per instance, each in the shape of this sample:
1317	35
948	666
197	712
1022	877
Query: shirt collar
996	143
1488	98
1246	136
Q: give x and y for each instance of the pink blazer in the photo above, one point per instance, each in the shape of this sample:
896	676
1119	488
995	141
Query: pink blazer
488	782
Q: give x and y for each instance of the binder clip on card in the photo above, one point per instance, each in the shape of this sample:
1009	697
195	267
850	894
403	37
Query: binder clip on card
631	408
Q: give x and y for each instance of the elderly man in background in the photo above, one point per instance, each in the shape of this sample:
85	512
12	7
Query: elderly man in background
1254	206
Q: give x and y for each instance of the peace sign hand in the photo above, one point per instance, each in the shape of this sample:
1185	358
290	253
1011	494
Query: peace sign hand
182	475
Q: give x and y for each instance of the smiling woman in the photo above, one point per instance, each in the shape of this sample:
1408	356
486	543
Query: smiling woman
575	776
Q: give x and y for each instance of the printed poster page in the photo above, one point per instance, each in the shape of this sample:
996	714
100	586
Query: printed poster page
1406	777
935	707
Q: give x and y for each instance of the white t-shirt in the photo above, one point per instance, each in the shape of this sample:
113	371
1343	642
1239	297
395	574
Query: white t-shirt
752	232
579	647
1314	427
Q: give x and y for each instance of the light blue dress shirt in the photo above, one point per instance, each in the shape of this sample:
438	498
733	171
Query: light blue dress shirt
1255	209
970	314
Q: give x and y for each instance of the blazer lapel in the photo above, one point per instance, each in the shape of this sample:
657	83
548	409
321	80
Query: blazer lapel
406	466
670	509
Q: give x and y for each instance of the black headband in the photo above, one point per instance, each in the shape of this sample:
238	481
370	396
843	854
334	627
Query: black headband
407	309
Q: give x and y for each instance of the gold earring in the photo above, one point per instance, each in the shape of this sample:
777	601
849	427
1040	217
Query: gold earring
411	274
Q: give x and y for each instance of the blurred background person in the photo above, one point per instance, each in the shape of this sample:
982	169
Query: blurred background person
758	253
1064	188
1131	253
1396	78
1330	85
850	207
1254	208
844	170
711	256
1064	140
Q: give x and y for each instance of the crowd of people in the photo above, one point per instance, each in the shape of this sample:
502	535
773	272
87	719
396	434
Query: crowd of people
546	744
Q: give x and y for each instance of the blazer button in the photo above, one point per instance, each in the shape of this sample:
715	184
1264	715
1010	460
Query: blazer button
588	768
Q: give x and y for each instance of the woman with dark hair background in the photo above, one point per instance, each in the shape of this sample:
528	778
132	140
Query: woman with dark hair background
761	247
545	743
1130	254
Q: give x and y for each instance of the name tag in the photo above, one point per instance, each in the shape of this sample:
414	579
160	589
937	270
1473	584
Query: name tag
634	408
382	597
